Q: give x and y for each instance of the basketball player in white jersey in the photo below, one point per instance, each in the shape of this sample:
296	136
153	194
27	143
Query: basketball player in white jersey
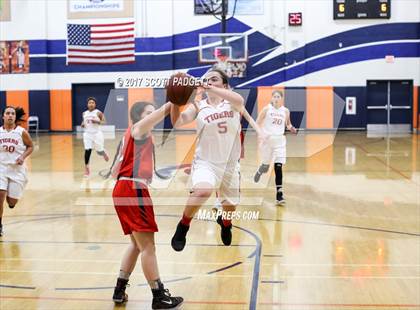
215	166
15	146
93	136
273	119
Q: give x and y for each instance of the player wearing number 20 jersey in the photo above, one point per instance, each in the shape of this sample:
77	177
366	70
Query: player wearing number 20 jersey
15	146
273	126
274	118
11	148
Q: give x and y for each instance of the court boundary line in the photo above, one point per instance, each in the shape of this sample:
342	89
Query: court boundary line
52	216
342	226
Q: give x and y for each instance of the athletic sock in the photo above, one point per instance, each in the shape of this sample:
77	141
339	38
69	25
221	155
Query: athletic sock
155	284
186	220
124	275
87	156
227	223
279	176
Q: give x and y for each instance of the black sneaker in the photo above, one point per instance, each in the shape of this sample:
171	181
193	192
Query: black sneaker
1	230
11	207
225	232
162	299
279	198
257	176
120	296
178	240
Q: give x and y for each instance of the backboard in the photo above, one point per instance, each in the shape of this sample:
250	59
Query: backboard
232	45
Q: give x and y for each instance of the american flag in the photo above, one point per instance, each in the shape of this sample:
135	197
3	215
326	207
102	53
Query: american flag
100	43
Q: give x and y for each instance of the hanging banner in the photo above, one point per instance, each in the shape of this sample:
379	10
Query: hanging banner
78	9
77	6
14	57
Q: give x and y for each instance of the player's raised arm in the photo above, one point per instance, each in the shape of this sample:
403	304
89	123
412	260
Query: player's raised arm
147	123
178	118
236	100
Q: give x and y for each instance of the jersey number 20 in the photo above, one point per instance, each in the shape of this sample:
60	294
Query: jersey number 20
277	121
9	149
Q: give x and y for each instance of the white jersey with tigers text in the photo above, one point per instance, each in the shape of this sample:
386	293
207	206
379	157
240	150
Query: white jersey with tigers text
88	117
11	145
275	120
218	129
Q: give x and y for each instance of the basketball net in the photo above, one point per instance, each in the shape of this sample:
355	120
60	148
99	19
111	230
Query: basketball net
223	64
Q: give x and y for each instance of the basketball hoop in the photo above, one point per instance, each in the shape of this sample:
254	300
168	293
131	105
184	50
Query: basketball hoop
223	64
227	52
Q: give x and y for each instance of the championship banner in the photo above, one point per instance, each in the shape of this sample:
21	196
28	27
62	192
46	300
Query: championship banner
79	6
78	9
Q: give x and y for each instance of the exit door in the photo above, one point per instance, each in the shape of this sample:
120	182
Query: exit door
389	106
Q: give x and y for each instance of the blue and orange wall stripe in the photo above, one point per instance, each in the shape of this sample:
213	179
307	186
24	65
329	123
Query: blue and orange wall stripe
61	110
311	107
2	100
19	98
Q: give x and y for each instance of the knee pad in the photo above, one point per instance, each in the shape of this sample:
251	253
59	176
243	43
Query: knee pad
278	165
101	153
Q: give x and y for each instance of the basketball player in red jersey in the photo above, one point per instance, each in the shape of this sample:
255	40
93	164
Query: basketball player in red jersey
134	171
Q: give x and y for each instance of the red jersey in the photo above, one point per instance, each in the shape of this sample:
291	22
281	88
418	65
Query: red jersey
136	157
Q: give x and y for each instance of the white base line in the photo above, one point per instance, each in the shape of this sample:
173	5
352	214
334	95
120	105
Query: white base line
116	272
349	265
161	201
117	261
211	275
103	261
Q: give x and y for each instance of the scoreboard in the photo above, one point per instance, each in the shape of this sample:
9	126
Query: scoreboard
362	9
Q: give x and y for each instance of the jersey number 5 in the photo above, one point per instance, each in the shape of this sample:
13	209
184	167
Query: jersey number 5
9	149
222	127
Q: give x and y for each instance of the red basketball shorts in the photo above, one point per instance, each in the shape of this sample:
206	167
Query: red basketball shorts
134	207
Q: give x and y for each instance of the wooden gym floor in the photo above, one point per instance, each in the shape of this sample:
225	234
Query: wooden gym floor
348	236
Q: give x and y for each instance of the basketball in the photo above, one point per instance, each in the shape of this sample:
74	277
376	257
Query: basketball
179	88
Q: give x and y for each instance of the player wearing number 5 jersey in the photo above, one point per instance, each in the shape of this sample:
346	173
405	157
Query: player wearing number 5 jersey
15	147
273	119
218	148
